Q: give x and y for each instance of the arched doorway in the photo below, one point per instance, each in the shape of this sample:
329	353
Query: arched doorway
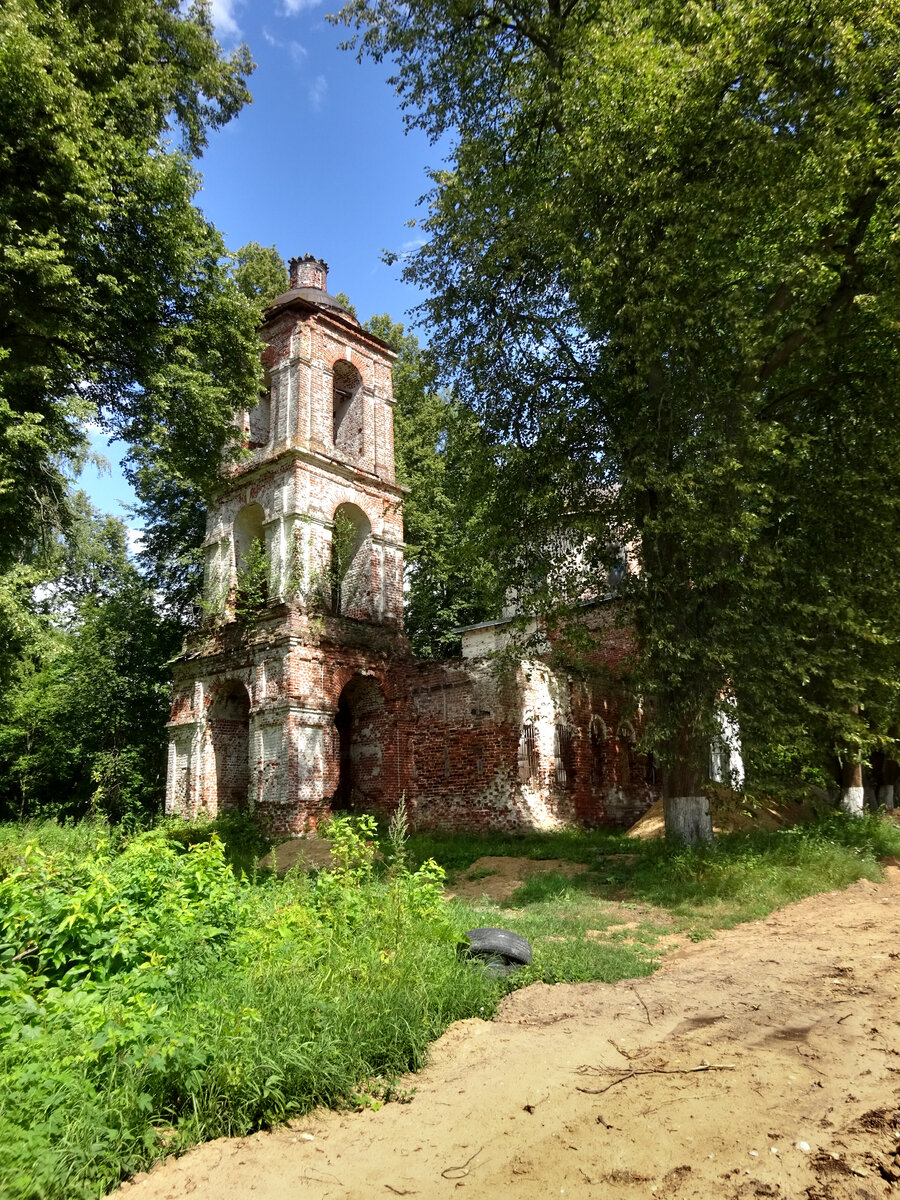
360	729
229	730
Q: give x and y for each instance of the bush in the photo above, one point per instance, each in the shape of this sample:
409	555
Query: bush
153	998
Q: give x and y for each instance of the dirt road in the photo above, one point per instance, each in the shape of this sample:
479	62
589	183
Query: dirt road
763	1063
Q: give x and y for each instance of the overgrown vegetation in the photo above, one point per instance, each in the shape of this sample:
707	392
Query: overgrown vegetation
252	582
151	995
152	998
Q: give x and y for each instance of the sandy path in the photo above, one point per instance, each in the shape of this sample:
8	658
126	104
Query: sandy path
801	1008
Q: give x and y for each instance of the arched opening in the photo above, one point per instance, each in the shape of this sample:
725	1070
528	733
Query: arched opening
248	528
347	408
350	569
359	735
228	721
251	568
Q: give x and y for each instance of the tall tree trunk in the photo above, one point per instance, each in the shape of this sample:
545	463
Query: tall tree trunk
685	808
852	794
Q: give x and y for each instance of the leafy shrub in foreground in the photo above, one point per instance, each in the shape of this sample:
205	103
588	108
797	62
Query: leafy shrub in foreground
153	998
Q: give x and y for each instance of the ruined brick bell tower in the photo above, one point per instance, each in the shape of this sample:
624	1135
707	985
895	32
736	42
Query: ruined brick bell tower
284	707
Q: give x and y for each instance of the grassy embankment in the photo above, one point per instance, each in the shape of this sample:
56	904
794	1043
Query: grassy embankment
151	996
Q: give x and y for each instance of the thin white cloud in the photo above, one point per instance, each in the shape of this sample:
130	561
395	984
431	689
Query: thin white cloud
134	538
293	8
224	17
295	49
317	90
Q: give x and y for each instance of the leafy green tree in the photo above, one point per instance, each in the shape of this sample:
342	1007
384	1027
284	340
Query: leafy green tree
444	460
172	506
663	264
115	300
343	299
260	273
82	723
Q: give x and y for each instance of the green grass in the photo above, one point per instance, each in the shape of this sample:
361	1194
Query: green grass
76	840
741	877
456	851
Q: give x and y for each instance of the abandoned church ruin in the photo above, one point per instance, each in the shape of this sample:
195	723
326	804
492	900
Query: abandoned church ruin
298	696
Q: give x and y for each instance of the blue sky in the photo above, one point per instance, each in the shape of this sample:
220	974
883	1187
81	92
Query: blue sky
319	163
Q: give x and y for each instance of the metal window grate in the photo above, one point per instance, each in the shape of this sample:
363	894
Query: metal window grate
528	763
563	755
598	751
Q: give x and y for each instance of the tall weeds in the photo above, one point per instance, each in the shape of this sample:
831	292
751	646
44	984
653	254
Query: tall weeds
153	998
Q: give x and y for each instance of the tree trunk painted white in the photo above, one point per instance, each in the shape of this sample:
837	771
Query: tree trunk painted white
688	819
886	796
852	800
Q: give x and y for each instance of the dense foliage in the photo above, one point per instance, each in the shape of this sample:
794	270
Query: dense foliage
83	712
115	299
151	998
663	265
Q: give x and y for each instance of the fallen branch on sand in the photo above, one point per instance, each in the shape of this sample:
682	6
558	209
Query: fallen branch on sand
459	1172
631	1072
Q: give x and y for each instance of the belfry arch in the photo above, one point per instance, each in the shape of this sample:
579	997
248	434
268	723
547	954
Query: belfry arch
351	562
347	408
249	527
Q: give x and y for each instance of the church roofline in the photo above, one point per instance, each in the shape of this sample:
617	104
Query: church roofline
308	299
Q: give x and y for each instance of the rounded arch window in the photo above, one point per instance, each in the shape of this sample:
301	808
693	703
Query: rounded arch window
350	573
347	407
599	735
248	528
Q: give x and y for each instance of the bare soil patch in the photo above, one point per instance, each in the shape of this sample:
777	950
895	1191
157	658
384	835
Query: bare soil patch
497	877
304	853
764	1063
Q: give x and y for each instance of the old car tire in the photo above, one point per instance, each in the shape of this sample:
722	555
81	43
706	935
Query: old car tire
496	944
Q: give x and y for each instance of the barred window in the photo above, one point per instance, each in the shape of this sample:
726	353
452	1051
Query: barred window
564	755
598	750
527	754
626	739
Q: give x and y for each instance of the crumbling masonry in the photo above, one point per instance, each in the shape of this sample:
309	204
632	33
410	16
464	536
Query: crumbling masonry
312	703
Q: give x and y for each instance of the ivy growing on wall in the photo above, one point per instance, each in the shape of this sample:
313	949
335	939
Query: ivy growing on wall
252	582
